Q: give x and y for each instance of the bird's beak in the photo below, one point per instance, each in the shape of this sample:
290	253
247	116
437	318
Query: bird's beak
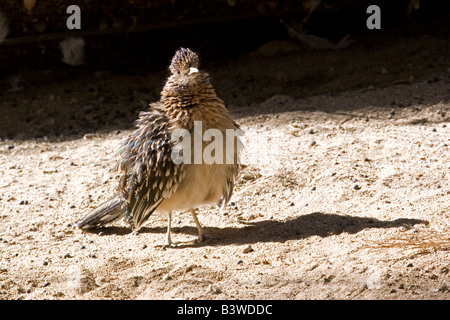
192	70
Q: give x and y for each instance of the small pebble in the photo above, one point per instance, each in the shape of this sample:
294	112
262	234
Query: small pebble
23	202
313	143
144	246
313	188
409	265
82	247
101	233
166	277
225	214
441	113
215	290
356	187
67	255
248	249
239	262
46	284
311	131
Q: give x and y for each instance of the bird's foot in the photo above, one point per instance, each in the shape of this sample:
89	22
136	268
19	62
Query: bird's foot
201	237
168	245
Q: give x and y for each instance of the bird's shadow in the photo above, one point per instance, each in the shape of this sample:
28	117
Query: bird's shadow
301	227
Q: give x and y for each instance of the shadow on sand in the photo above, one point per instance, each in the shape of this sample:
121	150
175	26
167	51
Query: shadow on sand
301	227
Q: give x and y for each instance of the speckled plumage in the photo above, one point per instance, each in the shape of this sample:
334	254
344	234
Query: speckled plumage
150	181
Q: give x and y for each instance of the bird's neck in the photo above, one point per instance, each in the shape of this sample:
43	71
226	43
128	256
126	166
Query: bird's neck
204	106
185	106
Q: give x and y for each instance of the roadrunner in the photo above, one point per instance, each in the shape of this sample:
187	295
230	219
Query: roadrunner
151	177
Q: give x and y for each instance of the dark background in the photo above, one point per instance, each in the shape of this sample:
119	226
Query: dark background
129	44
141	35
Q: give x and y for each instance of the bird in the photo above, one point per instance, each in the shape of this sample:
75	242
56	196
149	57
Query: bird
151	178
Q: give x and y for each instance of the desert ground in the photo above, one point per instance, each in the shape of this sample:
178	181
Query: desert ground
345	193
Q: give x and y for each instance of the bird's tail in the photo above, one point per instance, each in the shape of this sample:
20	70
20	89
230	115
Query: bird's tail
108	211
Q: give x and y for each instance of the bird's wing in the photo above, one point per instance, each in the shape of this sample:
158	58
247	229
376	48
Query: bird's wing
148	173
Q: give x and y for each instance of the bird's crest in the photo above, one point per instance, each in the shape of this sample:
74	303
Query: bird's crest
184	59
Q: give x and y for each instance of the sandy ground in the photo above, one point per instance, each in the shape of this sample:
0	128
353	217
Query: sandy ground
349	200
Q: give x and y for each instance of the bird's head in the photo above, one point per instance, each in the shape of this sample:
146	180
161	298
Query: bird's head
187	84
185	72
184	62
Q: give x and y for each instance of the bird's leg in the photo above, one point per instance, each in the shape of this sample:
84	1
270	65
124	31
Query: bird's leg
169	229
201	234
